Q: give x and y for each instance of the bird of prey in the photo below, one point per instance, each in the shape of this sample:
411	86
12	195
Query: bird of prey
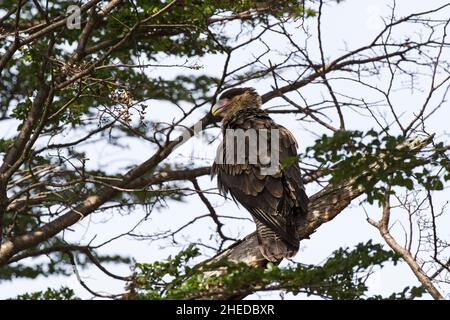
274	199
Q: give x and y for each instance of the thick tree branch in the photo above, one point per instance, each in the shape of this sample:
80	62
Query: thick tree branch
324	206
90	204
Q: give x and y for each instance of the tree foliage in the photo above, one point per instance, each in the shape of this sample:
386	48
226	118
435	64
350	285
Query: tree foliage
342	276
132	78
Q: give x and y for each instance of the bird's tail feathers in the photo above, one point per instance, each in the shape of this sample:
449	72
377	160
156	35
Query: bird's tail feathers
272	246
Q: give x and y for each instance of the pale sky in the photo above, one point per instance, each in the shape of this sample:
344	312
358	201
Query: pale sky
350	24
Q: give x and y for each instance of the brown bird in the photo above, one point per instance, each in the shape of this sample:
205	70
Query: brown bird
274	198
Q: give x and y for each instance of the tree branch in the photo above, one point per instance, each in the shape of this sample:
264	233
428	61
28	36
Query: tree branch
324	206
383	228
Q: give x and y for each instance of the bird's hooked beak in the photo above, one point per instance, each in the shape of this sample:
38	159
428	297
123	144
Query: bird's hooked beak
220	106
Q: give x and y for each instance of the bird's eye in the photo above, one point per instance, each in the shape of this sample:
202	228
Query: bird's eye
220	106
224	102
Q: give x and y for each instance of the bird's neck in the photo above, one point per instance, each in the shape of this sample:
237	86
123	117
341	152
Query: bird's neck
235	120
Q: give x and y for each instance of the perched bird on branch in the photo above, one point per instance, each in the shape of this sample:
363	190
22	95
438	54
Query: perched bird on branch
266	178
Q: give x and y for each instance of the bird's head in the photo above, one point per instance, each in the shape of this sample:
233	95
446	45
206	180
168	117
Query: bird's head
236	99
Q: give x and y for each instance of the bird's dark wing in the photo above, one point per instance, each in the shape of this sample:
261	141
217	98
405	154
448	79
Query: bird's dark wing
272	199
291	171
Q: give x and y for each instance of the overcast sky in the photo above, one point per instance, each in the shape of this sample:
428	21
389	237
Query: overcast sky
349	24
